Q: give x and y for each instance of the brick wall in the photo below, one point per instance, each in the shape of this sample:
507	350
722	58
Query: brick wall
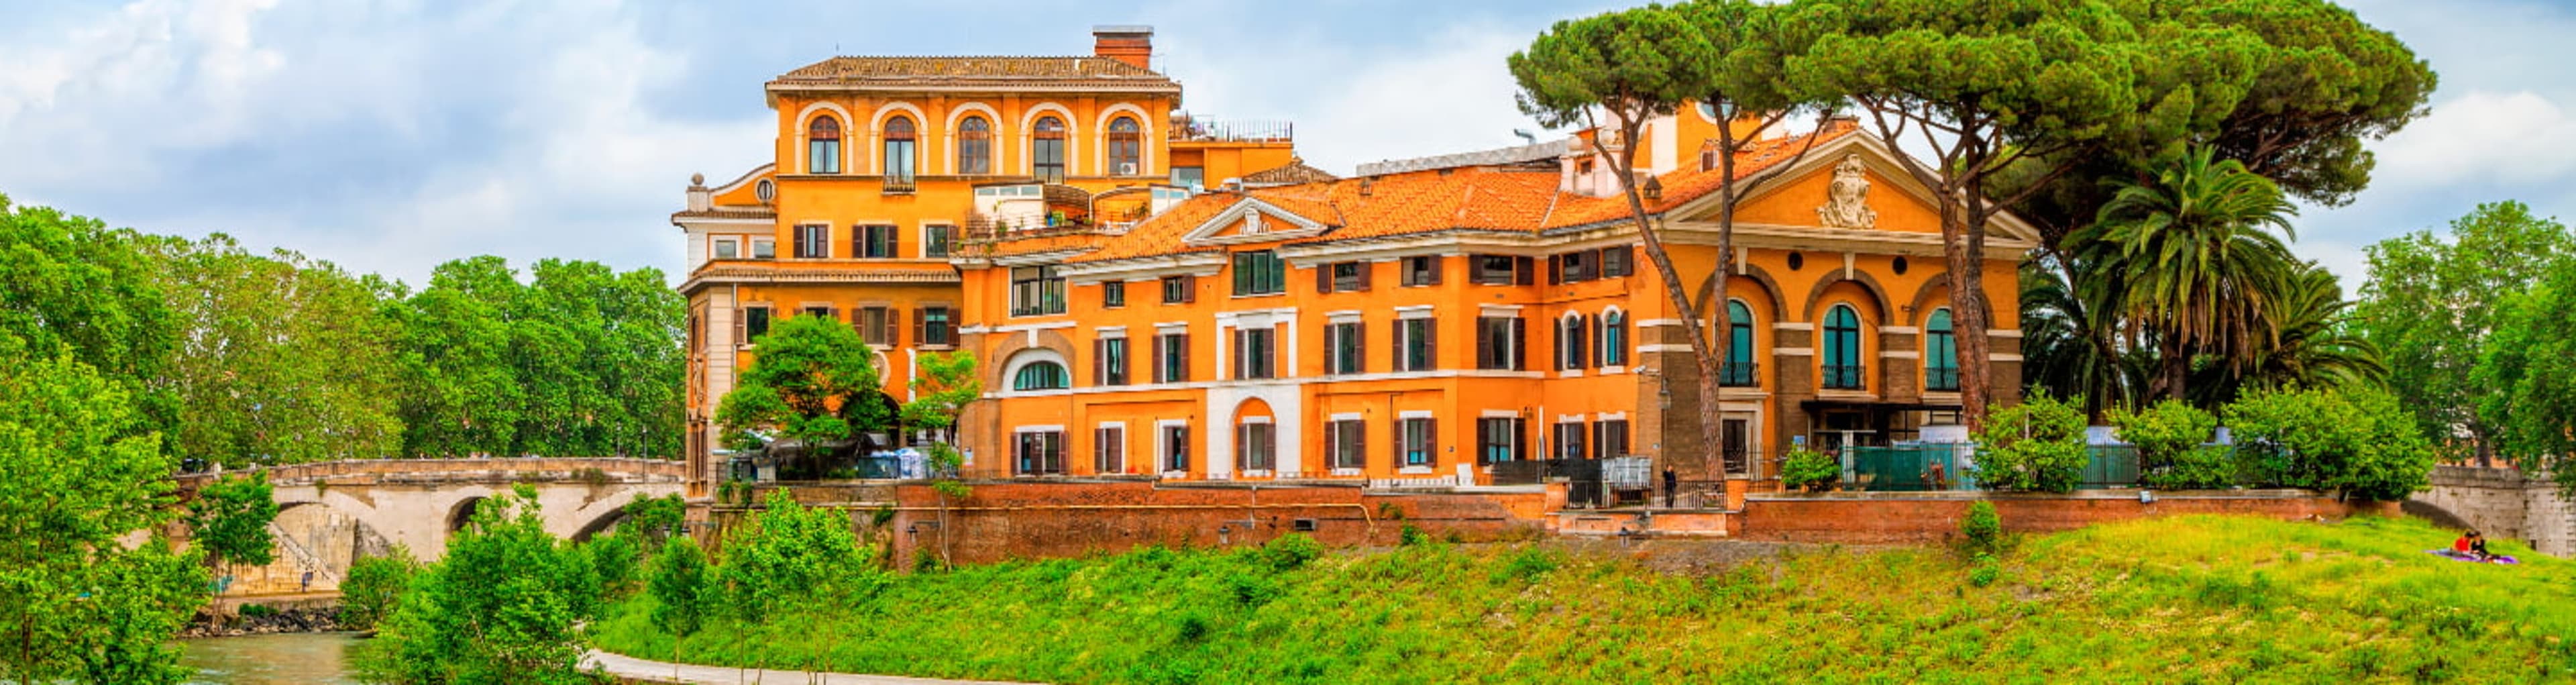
1934	517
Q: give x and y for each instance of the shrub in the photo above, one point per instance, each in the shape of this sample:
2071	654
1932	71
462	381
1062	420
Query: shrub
682	592
1525	565
2035	446
1982	529
1291	551
1986	572
1810	470
654	519
500	608
617	561
2170	438
2357	440
374	585
789	554
257	610
1412	536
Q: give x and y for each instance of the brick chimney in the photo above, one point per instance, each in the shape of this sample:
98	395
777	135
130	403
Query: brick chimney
1131	44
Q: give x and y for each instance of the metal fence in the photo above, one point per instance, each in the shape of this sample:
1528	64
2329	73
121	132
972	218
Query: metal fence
1908	468
2110	466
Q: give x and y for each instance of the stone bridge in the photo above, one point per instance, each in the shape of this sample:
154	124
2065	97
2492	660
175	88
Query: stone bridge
330	514
2504	503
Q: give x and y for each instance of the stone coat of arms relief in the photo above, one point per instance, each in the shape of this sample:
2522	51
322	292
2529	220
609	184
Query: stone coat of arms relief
1847	199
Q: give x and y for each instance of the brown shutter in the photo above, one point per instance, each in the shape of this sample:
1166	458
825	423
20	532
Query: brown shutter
1359	346
1520	344
1556	270
1484	342
918	326
1557	343
1524	270
1100	361
1189	289
894	242
1324	278
1437	262
1365	268
1430	346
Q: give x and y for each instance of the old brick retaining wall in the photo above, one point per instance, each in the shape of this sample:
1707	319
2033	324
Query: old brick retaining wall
2503	503
1897	518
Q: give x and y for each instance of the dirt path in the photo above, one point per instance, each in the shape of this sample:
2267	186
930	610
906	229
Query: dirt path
632	668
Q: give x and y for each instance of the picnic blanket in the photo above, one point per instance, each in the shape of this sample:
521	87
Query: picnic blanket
2464	556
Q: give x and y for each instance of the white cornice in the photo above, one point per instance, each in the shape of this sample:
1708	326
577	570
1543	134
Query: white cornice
1245	209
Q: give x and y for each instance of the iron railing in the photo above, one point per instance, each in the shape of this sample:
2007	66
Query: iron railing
1738	374
1235	130
1911	468
1942	379
1844	377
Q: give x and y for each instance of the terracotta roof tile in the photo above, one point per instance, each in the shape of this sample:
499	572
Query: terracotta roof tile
970	70
1293	173
1690	183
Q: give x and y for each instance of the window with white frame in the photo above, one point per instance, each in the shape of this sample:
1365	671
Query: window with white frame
1036	291
1614	338
937	240
728	248
1176	447
1256	446
1342	347
1039	453
1346	444
1109	449
1418	442
1255	352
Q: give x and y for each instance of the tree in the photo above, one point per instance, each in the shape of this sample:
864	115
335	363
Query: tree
2432	307
67	282
2065	333
281	359
793	554
2528	376
684	597
375	586
499	609
2172	439
1987	86
2034	446
654	519
2315	341
80	471
231	518
2355	440
1638	64
580	360
462	395
2194	265
943	386
814	382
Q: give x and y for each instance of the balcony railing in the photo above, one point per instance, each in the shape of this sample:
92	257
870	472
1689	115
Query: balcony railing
1843	377
898	185
1235	130
1941	379
1738	374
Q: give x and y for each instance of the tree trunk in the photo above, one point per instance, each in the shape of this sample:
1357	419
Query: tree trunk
1694	328
2173	364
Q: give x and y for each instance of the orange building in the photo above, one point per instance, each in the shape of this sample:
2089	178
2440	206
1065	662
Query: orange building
883	166
1430	319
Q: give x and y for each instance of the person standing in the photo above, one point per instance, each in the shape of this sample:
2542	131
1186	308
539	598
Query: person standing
1672	483
307	584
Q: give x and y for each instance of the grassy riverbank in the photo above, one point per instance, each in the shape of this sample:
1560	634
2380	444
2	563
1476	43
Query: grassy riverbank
2170	600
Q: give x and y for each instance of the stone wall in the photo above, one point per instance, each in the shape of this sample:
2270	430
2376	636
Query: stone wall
1907	518
2503	503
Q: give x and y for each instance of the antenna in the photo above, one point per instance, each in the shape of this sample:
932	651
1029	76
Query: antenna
1527	138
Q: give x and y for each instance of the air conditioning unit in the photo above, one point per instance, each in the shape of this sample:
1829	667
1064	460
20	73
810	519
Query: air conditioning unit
1127	168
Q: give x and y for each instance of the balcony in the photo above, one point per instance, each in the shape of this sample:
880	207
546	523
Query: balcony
1738	374
1844	377
1938	379
1207	129
898	185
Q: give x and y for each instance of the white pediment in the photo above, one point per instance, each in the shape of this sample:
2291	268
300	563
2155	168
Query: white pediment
1847	156
1261	222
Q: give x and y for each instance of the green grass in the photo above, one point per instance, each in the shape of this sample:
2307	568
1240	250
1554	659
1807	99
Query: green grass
2186	599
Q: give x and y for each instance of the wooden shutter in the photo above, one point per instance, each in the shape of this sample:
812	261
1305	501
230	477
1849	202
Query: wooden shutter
1324	278
1484	342
894	242
1557	343
1359	346
1189	289
1181	349
918	326
1520	344
1436	264
1100	361
1524	270
1365	268
1556	269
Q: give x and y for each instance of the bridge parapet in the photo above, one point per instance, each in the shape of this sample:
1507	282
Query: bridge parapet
592	470
2504	503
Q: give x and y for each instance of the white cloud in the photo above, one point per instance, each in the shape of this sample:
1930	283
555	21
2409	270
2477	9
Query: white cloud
2481	137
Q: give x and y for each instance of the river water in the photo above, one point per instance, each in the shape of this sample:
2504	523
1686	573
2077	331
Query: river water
289	659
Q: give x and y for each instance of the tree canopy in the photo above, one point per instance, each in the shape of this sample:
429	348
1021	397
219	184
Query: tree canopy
813	381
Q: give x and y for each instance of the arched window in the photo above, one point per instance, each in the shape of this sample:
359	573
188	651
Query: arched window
975	146
1043	375
1940	353
1614	338
898	151
1126	147
1046	150
1842	349
1739	369
823	146
1571	353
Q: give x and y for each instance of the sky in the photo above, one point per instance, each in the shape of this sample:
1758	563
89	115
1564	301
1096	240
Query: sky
389	136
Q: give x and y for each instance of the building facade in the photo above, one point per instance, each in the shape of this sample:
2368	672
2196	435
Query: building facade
1428	320
884	166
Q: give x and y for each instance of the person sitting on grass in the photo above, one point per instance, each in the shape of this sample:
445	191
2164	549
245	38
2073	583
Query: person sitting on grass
2478	546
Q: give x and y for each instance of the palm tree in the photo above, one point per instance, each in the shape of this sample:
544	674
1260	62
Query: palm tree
2066	338
2199	266
2314	340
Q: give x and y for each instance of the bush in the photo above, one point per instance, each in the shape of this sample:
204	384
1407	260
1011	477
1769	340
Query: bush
1525	565
791	554
2172	453
654	519
1810	470
682	592
2357	440
2035	446
375	584
257	610
1412	536
1982	529
1291	551
1986	572
617	561
499	609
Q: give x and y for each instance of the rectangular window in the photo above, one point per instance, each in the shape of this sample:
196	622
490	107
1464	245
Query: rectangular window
1036	291
1577	267
1342	277
1189	176
874	242
813	241
1172	358
764	248
1256	447
755	323
1492	269
932	327
1176	447
1253	353
1498	440
876	325
1346	444
728	248
1610	439
822	312
1113	294
1569	440
1259	273
1415	344
1498	343
1040	453
1180	289
1109	361
1109	450
1342	348
1421	270
1618	261
1417	443
937	240
1046	155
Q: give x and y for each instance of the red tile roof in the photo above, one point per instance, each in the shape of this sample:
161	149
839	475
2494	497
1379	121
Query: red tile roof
864	71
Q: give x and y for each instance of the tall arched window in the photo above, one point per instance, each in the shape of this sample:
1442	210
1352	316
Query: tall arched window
1614	338
1739	370
823	146
898	151
1046	150
1571	352
975	146
1940	353
1842	349
1044	375
1126	147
